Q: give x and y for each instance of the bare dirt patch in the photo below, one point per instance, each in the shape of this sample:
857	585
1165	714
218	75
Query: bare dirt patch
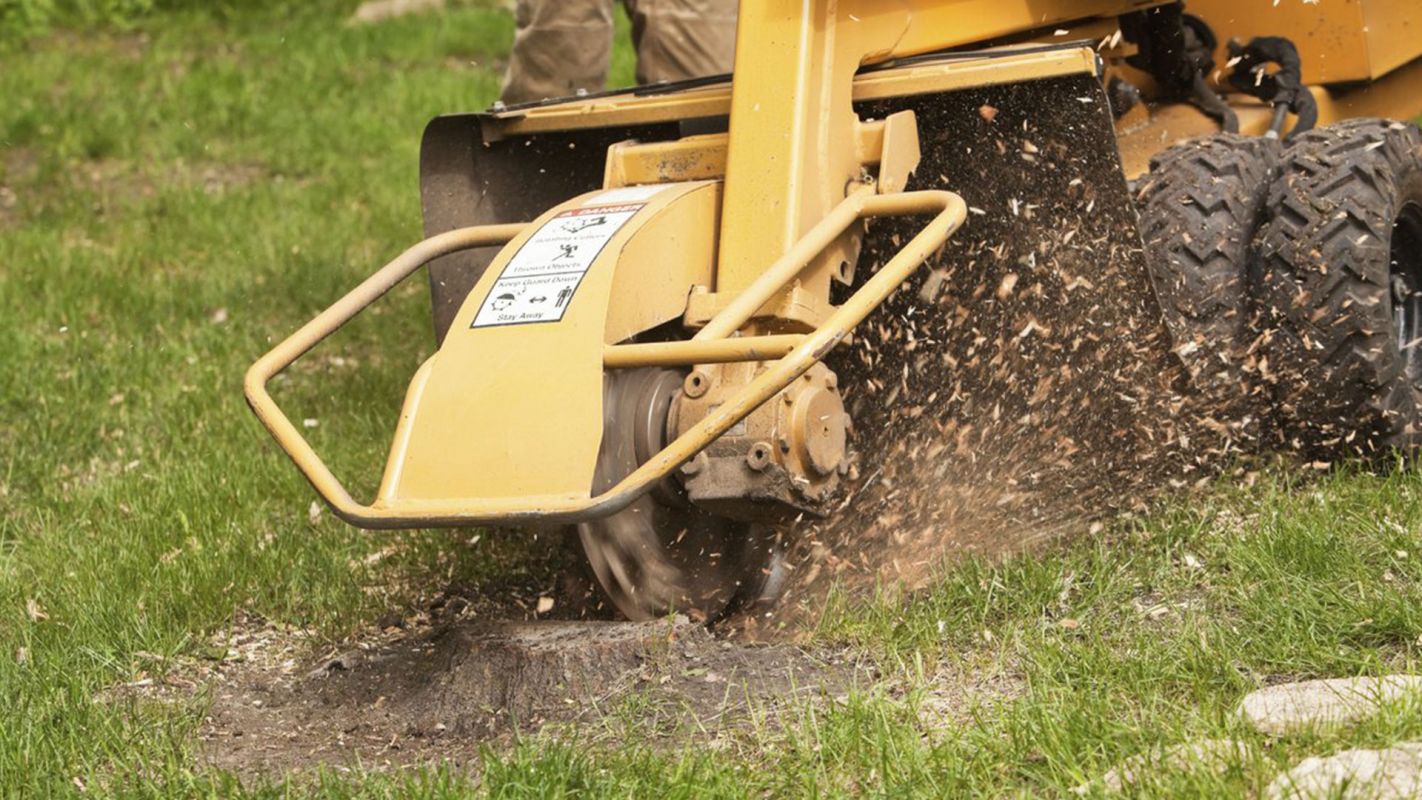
122	46
122	181
439	692
18	166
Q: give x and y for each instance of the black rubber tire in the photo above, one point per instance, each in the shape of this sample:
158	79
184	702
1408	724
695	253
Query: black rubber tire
1201	206
1346	214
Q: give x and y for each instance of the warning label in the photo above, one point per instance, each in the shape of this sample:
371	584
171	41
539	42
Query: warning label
538	283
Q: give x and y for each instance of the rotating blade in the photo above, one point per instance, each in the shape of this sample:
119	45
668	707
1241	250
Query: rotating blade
661	555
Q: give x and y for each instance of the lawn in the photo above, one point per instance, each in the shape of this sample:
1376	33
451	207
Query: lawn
177	195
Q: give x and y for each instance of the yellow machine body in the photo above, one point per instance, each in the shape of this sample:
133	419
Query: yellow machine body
539	365
1339	40
738	237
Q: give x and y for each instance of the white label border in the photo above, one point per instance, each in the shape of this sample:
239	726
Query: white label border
531	270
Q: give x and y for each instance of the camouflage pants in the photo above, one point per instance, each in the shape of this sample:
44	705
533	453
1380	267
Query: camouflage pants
562	46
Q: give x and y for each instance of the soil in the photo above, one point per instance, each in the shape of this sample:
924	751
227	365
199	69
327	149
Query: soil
17	166
440	691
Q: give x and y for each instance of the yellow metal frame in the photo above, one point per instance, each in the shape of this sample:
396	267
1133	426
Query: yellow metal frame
795	187
799	354
890	144
526	392
792	190
1002	67
1339	42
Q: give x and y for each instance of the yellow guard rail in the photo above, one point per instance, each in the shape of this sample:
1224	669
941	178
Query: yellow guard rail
799	353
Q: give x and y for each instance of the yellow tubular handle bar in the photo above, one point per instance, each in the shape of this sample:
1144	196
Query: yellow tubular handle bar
949	213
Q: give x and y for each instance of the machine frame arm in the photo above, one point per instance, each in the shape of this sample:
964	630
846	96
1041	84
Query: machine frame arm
949	212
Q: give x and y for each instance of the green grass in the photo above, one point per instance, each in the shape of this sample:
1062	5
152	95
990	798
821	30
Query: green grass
191	189
1080	658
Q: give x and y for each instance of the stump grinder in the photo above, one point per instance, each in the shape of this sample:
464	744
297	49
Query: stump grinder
909	249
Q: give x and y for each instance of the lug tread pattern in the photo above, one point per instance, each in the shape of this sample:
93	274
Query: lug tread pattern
1201	205
1325	257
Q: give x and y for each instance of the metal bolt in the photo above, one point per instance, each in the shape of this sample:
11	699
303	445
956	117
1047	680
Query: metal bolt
695	465
1400	289
758	458
696	384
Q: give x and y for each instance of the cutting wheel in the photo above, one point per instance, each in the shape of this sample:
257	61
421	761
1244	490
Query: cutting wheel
661	554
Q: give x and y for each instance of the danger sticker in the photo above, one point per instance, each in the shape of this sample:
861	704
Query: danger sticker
539	282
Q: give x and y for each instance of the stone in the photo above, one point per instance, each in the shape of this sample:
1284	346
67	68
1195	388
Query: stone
1216	755
1290	707
381	10
1391	774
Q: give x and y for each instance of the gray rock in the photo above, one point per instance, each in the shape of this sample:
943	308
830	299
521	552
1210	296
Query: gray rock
1216	755
1391	774
381	10
1289	707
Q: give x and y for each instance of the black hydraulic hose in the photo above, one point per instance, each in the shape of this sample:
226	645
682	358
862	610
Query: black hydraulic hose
1283	87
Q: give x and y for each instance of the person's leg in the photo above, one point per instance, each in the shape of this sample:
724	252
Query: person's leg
560	46
681	39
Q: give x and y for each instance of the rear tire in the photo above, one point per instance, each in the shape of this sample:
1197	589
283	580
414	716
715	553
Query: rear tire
1201	206
1342	281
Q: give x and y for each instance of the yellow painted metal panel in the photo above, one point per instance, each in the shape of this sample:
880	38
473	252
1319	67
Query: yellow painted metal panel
1338	40
792	139
1394	31
511	404
691	158
657	270
931	25
1397	95
1003	66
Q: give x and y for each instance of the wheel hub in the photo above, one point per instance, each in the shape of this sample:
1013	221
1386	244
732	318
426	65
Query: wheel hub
1406	278
786	459
662	554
